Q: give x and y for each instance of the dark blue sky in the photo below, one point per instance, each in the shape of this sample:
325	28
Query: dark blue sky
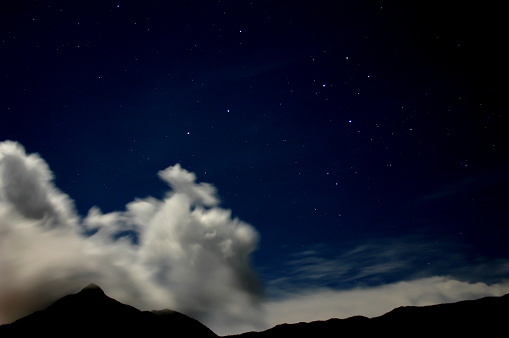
324	124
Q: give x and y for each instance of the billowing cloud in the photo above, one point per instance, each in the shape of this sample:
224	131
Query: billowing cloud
183	252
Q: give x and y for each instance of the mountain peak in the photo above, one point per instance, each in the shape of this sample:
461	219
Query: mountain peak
92	287
91	311
91	290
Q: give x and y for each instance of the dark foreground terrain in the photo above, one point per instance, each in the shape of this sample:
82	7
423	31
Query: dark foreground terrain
91	312
486	317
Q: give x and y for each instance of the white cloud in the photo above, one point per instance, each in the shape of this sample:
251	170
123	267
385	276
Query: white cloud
183	182
26	189
189	254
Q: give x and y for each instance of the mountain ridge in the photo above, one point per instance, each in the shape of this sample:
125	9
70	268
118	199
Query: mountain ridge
479	316
91	311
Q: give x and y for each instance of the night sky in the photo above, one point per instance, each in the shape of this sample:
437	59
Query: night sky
364	142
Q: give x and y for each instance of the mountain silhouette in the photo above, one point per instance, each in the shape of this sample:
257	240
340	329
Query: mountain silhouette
90	311
482	317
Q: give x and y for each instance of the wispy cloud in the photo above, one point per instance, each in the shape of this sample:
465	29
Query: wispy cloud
463	186
370	263
378	275
185	253
384	261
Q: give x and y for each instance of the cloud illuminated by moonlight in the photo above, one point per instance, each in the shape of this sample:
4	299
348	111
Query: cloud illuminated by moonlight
190	255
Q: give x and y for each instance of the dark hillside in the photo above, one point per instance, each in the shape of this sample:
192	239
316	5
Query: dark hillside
92	312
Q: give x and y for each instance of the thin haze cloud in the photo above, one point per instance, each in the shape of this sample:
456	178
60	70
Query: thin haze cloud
324	303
